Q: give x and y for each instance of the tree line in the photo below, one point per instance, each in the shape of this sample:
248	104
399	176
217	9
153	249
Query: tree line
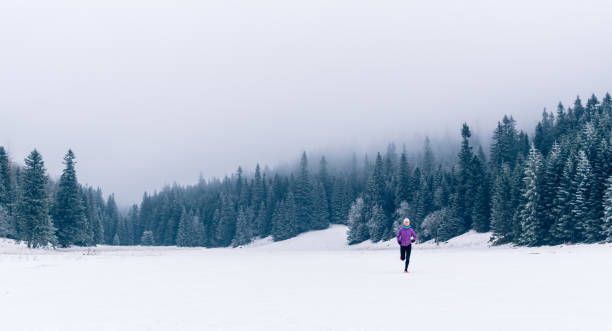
553	187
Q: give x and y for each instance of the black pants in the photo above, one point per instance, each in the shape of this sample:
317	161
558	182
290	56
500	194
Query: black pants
405	254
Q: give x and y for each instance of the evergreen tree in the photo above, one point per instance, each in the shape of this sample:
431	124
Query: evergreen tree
326	181
428	158
36	225
257	199
285	219
303	196
6	182
464	202
68	211
6	223
244	230
532	232
562	230
116	241
377	224
320	211
587	226
404	189
481	208
553	171
226	228
358	230
147	238
501	207
449	227
607	220
111	219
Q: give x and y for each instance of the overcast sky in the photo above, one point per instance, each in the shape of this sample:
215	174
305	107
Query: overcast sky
151	92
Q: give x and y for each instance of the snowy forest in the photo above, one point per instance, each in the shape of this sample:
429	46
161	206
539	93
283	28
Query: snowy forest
550	186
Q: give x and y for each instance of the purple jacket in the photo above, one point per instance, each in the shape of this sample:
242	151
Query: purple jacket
404	235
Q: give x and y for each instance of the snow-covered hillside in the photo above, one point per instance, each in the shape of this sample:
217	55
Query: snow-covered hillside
311	282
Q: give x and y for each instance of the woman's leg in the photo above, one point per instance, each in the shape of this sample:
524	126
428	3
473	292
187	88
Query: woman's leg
408	250
402	252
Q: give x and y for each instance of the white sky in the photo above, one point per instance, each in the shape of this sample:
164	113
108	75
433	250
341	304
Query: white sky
151	92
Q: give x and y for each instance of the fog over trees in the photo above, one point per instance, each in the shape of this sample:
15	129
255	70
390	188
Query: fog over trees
549	187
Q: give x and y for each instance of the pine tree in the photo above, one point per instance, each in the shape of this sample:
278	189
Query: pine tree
326	180
257	199
244	230
226	228
303	196
320	211
428	158
147	238
404	189
285	219
339	199
6	223
563	228
377	224
6	182
375	188
465	184
111	219
532	232
607	219
581	207
116	241
184	233
38	230
481	208
358	231
449	227
68	211
588	226
501	207
553	170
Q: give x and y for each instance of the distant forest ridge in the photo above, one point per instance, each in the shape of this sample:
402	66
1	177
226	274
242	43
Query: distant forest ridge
551	187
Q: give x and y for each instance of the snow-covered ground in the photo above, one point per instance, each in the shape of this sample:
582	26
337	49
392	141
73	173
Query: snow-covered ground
312	282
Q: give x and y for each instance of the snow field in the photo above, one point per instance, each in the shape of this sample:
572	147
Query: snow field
312	282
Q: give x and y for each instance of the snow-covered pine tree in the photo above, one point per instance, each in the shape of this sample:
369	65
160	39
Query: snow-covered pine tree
532	232
226	227
6	223
6	182
357	224
147	238
244	230
68	211
607	205
38	230
582	208
285	219
501	207
429	160
449	226
481	209
465	184
116	240
562	230
340	201
553	170
404	190
320	209
377	224
184	235
303	196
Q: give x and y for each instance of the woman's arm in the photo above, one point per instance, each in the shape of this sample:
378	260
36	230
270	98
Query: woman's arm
415	235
